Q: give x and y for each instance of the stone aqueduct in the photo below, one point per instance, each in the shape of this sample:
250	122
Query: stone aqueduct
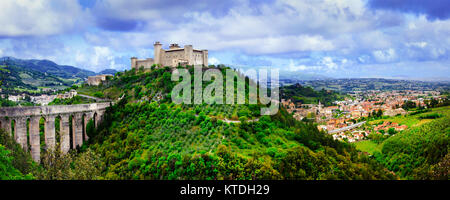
21	115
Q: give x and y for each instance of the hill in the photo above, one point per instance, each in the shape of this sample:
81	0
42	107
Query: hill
307	95
108	71
30	75
421	151
146	136
49	67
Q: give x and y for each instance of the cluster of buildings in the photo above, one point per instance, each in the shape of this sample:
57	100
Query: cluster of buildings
385	126
42	99
353	136
341	119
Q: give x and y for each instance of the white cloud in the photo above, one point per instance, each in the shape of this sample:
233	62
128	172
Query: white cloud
384	56
328	62
39	17
293	67
213	61
417	44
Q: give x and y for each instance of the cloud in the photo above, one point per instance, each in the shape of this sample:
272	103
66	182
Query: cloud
325	36
125	15
435	9
39	17
213	61
293	67
328	62
384	56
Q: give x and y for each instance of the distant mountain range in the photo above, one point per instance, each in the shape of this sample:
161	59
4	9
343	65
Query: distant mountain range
47	66
31	75
108	71
300	76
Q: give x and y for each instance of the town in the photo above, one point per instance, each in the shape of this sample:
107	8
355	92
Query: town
346	119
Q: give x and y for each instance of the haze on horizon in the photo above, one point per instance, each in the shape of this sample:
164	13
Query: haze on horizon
340	39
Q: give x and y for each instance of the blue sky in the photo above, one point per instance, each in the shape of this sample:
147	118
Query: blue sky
334	38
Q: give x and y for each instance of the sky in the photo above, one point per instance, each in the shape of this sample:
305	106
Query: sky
335	38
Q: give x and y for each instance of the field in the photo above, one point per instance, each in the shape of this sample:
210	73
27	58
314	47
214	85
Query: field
368	146
412	120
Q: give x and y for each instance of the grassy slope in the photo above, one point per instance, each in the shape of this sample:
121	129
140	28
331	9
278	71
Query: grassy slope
413	120
369	146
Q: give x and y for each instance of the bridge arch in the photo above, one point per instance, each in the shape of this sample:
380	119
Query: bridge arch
57	136
71	131
13	129
95	118
42	133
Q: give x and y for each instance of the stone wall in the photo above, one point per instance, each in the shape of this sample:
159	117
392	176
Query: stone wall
96	80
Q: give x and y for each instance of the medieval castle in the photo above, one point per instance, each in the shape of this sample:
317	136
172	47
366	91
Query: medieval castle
173	57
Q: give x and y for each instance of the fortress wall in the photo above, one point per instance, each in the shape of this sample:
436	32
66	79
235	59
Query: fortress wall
171	58
147	64
197	58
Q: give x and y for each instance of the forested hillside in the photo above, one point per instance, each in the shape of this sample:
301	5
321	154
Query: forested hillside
144	139
421	152
29	76
146	136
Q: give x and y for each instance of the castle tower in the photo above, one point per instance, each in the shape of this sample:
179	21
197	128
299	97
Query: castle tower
133	62
157	47
205	57
188	54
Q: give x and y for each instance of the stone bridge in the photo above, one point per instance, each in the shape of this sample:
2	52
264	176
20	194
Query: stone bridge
18	119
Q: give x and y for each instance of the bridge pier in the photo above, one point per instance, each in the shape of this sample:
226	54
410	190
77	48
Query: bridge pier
35	142
50	132
6	124
99	118
77	126
64	133
20	132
